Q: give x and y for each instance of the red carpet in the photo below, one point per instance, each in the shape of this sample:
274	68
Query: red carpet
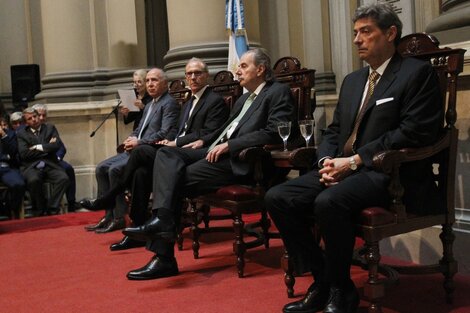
52	264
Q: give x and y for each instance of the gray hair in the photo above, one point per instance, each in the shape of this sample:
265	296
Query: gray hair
40	107
198	60
261	57
16	116
383	14
30	110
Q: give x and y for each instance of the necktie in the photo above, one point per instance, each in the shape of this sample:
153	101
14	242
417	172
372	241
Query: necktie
149	112
234	122
184	124
348	149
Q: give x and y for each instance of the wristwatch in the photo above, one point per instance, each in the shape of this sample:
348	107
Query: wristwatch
352	164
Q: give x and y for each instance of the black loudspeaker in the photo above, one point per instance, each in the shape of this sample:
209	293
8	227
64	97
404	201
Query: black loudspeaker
25	82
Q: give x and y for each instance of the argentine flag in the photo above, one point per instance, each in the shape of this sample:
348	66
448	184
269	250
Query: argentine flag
235	24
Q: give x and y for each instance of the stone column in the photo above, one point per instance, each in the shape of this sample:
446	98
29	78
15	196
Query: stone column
453	25
197	30
90	47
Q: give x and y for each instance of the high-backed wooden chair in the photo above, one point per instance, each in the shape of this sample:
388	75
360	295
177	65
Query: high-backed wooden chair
238	199
377	223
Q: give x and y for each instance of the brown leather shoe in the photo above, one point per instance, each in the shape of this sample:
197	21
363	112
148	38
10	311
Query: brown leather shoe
116	224
101	224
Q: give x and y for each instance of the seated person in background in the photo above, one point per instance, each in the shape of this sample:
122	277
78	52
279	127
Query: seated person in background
401	107
16	121
70	193
159	119
142	99
37	145
212	161
10	175
201	115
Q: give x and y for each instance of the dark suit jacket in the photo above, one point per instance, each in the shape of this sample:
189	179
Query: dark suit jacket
404	111
258	127
137	116
9	148
163	119
26	139
208	115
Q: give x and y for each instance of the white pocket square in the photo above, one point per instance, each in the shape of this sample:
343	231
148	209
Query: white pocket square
381	101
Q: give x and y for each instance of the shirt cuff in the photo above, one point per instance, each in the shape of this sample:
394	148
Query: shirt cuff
320	162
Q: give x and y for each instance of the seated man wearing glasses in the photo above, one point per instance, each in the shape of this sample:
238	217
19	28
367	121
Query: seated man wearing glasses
201	115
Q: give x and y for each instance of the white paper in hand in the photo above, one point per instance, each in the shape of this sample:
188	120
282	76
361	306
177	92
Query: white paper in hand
128	98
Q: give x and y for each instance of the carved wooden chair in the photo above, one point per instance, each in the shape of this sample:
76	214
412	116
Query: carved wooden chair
240	199
377	223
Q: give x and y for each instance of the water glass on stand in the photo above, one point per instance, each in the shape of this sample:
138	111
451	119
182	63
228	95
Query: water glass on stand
306	129
284	131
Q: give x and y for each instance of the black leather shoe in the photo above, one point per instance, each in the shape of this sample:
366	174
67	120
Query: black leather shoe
116	224
156	268
342	301
93	204
126	243
101	224
314	300
153	229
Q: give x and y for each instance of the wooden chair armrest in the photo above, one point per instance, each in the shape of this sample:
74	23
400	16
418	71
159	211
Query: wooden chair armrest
303	157
385	161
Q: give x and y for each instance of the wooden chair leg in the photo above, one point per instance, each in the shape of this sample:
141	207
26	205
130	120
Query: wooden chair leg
265	224
448	263
239	245
374	288
289	278
195	231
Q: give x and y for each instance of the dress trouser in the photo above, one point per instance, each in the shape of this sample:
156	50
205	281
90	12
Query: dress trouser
136	174
179	173
36	177
293	204
71	190
12	178
108	173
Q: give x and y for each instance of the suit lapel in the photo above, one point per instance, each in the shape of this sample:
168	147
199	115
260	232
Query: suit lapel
198	106
356	98
254	106
385	81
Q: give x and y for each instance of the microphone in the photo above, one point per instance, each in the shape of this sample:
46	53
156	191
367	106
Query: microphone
136	92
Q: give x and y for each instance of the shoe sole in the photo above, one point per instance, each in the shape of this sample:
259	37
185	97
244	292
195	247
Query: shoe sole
130	277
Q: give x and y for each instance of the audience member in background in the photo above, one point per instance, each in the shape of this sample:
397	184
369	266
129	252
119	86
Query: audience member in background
213	160
37	145
142	99
393	103
159	120
70	192
202	114
16	121
10	175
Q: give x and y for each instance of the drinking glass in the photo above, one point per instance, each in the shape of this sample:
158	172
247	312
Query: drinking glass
284	131
306	129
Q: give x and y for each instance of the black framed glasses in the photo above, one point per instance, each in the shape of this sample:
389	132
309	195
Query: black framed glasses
195	73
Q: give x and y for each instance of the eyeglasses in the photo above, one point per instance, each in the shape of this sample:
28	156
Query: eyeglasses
195	73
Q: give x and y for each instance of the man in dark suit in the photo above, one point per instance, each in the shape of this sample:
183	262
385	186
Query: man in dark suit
203	114
159	119
37	146
401	107
70	192
212	162
10	176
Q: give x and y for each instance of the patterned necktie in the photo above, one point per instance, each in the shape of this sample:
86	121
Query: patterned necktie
348	149
235	121
184	125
